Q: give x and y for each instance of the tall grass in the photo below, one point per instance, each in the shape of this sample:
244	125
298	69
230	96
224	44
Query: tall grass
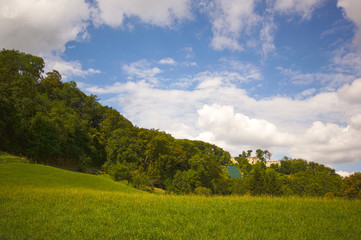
40	202
8	158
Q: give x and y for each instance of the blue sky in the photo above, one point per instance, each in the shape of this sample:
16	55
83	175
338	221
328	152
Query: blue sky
282	75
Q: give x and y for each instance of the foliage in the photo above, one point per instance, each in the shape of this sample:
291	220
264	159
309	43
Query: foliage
202	191
351	186
8	158
180	166
54	122
329	195
292	177
49	120
257	180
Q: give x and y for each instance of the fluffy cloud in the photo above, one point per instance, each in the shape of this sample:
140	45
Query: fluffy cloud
301	7
344	173
68	69
230	18
142	70
157	12
220	124
331	80
307	93
351	92
172	110
45	27
40	27
236	23
352	11
322	142
346	61
355	122
330	143
266	36
325	127
167	61
248	72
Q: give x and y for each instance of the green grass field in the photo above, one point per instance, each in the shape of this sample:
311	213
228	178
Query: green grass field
8	158
42	202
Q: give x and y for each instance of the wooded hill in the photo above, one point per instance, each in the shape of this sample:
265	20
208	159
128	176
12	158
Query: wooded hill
53	122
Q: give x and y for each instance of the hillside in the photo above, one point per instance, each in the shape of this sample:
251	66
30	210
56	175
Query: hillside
41	202
37	176
53	122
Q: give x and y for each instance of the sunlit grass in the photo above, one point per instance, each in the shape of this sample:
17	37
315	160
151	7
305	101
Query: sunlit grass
40	202
8	158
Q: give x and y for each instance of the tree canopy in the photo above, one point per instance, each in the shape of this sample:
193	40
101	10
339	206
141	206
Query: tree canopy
54	122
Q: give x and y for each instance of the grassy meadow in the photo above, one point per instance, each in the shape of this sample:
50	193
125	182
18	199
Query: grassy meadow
42	202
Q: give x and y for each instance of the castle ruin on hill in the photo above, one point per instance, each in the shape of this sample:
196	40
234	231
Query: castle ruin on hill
254	160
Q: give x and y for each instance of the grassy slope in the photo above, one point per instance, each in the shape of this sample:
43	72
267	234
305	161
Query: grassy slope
6	158
40	202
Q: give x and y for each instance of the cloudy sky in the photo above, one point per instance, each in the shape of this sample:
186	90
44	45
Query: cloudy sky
282	75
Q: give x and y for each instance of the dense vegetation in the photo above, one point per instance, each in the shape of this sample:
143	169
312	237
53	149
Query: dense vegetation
42	202
53	122
292	177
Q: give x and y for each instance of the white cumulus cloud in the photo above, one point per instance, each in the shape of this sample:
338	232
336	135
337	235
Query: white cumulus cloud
68	69
231	129
329	143
157	12
351	92
167	61
39	27
323	127
142	70
352	11
344	173
230	19
301	7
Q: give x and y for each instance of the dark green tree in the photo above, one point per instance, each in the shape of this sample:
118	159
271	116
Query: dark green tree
351	186
44	139
257	180
273	183
260	154
19	75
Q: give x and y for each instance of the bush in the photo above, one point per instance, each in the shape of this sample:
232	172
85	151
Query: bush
351	186
140	180
203	191
329	195
239	186
118	171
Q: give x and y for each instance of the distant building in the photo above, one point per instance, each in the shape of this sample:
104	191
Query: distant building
253	160
269	163
233	160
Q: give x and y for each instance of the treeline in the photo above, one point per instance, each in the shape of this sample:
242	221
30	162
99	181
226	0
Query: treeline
54	122
155	159
48	120
291	177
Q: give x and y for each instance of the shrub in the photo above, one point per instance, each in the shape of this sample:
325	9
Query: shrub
203	191
140	180
329	195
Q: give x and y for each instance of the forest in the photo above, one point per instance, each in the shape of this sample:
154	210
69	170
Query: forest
55	123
